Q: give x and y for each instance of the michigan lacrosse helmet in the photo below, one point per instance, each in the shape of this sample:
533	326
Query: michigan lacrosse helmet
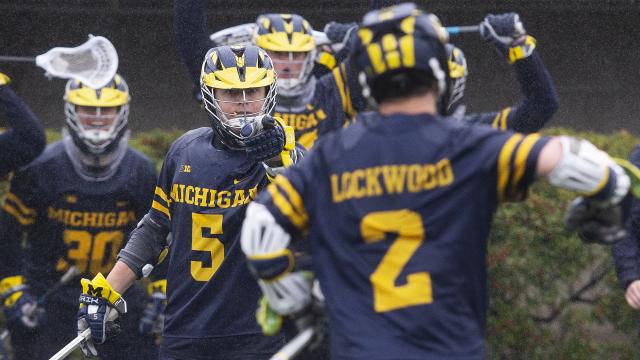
400	48
244	69
457	77
97	119
289	40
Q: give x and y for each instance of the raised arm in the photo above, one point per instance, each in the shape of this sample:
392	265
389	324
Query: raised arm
25	139
190	29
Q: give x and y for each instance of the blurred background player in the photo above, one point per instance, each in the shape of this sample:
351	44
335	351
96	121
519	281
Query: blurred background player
389	224
208	177
76	203
507	33
24	140
303	101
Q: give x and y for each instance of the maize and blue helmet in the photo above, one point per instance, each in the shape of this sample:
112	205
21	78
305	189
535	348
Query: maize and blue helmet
103	133
236	68
457	77
399	47
288	33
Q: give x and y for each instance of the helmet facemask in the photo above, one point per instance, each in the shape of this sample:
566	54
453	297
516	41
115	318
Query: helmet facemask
292	84
232	126
96	130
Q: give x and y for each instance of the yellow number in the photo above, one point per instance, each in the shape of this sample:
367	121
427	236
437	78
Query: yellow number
408	227
203	227
106	245
103	248
79	245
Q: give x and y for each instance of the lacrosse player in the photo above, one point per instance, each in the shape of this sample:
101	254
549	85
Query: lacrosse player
76	202
25	139
208	177
397	207
304	102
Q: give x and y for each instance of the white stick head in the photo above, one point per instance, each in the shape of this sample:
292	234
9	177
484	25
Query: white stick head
94	63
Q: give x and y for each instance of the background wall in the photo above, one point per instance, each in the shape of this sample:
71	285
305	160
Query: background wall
591	48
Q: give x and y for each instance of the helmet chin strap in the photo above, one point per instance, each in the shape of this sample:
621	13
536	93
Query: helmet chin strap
95	167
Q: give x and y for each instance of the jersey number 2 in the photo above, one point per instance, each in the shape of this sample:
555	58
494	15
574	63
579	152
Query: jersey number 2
203	229
408	227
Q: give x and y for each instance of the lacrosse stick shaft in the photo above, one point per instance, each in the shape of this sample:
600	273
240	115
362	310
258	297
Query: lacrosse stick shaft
455	30
295	346
6	58
72	345
66	277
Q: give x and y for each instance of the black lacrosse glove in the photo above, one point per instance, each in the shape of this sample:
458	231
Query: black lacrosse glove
507	33
594	221
268	142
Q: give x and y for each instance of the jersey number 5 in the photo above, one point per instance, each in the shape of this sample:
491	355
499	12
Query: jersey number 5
203	229
408	227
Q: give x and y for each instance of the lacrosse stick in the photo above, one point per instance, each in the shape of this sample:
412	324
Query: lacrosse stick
243	35
94	63
81	338
295	346
457	30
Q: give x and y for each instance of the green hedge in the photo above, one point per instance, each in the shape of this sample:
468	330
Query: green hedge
551	296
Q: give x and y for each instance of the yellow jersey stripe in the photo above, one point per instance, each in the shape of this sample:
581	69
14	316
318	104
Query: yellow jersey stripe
21	206
494	123
162	194
163	209
522	155
503	118
13	212
337	76
293	196
285	207
504	164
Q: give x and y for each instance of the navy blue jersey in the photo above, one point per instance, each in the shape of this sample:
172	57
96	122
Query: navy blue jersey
537	108
70	220
201	198
24	140
398	210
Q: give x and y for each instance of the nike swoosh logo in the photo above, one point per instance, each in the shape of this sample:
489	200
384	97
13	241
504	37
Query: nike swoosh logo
236	181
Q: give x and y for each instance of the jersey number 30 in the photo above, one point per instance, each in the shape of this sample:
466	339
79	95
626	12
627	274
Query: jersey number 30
203	229
408	227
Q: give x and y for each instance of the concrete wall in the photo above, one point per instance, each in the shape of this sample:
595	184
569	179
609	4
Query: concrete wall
592	49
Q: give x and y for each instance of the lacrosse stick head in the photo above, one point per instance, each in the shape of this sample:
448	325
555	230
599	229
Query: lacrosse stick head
93	63
235	35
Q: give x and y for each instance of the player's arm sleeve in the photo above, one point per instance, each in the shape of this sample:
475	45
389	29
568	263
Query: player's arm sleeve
343	98
540	96
626	252
18	213
515	159
25	139
190	27
149	239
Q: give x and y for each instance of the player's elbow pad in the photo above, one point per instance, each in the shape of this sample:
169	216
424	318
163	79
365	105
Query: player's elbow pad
146	243
265	243
590	171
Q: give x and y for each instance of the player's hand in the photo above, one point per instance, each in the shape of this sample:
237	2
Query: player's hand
100	306
505	29
152	321
633	294
339	34
20	306
289	295
265	143
594	221
4	79
507	33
